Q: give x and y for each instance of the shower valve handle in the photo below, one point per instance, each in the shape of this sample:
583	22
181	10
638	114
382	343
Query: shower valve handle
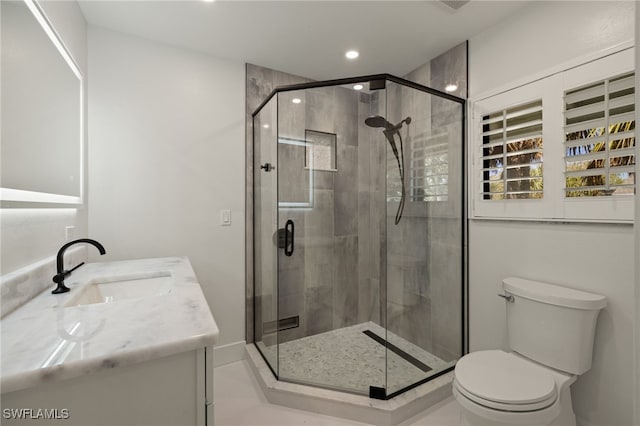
267	167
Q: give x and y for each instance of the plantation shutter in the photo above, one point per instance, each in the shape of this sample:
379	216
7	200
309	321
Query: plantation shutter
512	153
588	171
599	132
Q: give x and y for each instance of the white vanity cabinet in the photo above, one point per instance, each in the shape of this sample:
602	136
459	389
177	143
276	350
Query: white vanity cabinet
176	390
130	360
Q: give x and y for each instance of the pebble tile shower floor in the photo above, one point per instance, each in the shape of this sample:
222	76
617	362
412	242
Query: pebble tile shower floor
348	359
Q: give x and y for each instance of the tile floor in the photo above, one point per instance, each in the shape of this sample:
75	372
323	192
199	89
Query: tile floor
239	401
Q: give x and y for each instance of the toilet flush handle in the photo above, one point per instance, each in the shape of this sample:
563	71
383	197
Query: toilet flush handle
508	297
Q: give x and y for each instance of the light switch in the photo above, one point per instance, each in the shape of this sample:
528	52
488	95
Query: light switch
225	217
69	233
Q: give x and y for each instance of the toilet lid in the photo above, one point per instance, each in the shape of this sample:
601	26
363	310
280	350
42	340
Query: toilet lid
504	378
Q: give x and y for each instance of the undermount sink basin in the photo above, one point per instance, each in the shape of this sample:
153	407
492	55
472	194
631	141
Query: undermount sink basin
115	289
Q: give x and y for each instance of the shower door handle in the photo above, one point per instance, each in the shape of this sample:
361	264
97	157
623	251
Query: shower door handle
289	232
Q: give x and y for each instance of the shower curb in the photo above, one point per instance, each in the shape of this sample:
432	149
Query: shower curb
345	405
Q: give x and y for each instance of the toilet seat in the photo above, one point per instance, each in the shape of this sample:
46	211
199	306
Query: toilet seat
504	381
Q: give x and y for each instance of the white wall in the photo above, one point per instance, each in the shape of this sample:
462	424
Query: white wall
166	154
597	258
543	35
29	235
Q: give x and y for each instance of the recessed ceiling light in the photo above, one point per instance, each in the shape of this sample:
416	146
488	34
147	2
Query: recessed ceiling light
208	1
358	87
296	100
352	54
451	87
266	126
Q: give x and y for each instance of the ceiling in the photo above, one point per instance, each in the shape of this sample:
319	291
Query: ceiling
307	38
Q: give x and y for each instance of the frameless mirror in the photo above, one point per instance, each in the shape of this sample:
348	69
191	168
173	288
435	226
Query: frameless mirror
42	107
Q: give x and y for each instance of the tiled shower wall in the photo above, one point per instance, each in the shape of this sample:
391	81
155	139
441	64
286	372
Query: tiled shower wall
336	276
330	281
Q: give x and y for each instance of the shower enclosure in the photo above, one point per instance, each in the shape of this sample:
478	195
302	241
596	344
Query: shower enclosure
358	223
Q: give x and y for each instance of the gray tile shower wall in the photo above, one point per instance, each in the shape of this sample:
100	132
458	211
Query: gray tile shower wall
439	299
335	222
408	248
424	251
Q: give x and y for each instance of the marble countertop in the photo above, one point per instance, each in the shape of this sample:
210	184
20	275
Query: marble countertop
43	340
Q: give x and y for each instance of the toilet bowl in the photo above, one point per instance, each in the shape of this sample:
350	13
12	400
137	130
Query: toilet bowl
503	388
550	333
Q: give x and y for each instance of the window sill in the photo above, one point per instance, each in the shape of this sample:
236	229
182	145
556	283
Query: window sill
553	220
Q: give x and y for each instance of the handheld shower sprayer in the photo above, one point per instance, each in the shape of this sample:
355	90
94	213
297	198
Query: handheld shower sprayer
390	130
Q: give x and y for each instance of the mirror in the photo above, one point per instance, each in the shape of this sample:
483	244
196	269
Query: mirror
42	108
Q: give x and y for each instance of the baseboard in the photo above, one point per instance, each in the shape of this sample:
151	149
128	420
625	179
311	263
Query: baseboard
583	422
227	354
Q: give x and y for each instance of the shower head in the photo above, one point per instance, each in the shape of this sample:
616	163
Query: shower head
389	129
378	121
389	132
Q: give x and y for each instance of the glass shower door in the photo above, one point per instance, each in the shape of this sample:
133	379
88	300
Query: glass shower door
328	303
265	202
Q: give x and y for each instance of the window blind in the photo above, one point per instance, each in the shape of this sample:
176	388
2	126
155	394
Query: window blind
512	154
599	127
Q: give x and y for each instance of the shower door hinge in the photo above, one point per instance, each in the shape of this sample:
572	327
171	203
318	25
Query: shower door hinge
376	392
377	84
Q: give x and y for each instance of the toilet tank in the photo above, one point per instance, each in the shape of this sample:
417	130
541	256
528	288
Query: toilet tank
552	325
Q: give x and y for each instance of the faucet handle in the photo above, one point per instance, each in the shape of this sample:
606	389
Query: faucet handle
74	268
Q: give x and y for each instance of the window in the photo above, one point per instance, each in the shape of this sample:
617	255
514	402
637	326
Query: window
394	184
513	156
600	138
429	180
427	167
512	153
559	148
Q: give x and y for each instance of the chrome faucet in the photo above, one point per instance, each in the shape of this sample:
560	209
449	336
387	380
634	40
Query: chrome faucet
62	274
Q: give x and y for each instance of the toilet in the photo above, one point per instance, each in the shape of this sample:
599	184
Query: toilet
550	334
